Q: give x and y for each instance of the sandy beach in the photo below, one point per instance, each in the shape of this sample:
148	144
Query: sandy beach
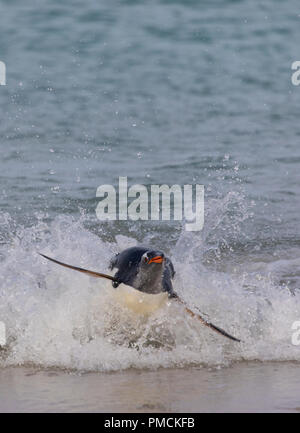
244	387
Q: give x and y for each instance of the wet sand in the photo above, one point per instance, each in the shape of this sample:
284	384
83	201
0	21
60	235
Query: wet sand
244	387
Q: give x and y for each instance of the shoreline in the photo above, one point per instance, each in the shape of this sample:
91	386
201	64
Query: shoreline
242	387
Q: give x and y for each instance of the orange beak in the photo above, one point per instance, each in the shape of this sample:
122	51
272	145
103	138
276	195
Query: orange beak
157	259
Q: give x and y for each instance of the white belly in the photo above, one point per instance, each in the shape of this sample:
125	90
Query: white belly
139	302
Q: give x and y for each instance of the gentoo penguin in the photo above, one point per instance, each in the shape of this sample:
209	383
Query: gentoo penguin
146	270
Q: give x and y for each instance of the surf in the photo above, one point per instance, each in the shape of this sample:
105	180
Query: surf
58	318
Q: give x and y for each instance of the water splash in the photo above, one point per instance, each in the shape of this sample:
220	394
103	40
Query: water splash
56	317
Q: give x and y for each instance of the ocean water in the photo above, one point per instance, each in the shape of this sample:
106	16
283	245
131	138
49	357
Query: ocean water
168	92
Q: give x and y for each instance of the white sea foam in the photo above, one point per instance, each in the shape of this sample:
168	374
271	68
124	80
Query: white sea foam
58	317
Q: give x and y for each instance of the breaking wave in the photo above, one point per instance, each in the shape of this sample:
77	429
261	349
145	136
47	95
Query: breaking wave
57	317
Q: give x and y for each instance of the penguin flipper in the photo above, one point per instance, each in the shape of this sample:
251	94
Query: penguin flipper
76	268
169	265
205	322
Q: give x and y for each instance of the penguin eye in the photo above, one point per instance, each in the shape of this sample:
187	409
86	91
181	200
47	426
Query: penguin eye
146	259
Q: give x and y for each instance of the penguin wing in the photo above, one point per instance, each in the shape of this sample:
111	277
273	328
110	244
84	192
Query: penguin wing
170	267
84	271
168	275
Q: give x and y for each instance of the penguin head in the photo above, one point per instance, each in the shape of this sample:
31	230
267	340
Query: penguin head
152	259
152	263
142	268
150	272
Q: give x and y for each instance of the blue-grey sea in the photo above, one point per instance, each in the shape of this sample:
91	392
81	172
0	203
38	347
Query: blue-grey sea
163	92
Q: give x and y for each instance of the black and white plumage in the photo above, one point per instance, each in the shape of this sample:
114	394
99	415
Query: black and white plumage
146	270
